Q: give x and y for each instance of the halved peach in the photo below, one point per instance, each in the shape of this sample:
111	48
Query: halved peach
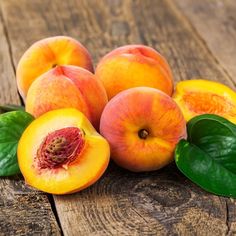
196	97
61	152
47	53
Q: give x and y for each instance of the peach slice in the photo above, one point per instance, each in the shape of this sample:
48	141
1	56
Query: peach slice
134	66
196	97
64	87
61	152
46	54
143	126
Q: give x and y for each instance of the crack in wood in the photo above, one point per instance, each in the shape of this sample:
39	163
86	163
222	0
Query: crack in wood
5	31
143	218
54	210
7	38
227	218
23	211
170	203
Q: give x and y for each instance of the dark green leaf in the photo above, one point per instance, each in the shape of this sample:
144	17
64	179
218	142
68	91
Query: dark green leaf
12	125
208	158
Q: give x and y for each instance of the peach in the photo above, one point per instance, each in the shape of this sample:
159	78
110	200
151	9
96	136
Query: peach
46	54
64	87
196	97
143	126
61	152
134	66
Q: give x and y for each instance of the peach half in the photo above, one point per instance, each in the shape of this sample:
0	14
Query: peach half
46	54
143	126
65	87
61	152
134	66
196	97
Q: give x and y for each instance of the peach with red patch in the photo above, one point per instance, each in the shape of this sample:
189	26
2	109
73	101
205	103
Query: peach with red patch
143	126
64	87
134	66
47	53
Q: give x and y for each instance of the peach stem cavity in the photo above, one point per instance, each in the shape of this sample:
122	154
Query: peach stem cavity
143	133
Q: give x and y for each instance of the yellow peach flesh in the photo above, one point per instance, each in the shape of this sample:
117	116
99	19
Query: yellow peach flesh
82	172
196	97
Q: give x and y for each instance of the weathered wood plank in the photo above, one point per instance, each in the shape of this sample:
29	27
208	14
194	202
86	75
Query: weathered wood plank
122	203
22	211
8	85
215	21
158	203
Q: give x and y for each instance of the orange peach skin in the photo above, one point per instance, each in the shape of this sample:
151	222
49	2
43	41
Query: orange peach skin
65	87
134	66
46	54
138	109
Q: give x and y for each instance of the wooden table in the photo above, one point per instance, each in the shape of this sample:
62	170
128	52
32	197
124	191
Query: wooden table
199	40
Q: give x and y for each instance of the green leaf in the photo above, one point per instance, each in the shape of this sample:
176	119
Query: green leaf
12	125
208	157
11	107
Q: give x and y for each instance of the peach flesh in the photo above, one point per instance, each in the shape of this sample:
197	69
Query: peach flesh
70	174
196	102
201	96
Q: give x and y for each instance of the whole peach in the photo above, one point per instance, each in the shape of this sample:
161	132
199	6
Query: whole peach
67	87
48	53
134	66
143	126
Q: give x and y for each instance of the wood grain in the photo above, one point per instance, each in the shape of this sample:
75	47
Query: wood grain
158	203
7	80
22	211
122	203
215	21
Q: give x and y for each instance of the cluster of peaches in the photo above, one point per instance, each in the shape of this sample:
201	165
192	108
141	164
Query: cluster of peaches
126	108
